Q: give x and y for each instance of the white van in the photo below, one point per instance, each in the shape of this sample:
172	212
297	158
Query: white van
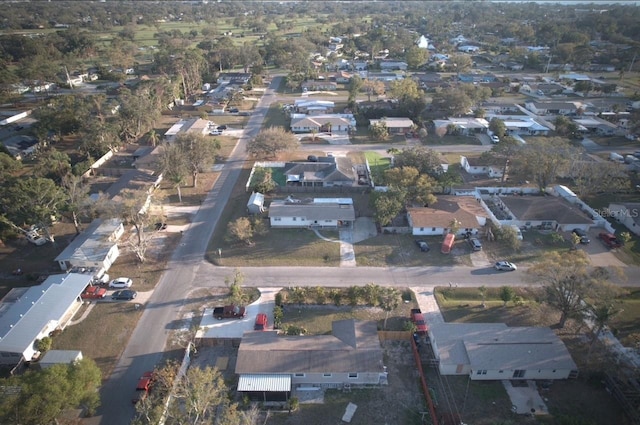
518	231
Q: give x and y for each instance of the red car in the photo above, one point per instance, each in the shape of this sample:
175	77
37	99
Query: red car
418	319
261	322
94	293
143	387
610	240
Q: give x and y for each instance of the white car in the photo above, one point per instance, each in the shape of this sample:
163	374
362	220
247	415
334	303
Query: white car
495	139
505	266
121	283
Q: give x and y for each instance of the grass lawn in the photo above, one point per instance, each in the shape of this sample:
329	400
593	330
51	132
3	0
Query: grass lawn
401	250
275	117
103	335
434	140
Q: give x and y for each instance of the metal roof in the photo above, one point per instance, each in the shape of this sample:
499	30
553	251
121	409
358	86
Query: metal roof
94	243
38	307
264	383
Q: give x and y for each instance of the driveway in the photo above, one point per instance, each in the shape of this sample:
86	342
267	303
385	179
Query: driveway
600	255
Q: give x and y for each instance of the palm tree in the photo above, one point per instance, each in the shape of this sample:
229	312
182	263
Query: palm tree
153	138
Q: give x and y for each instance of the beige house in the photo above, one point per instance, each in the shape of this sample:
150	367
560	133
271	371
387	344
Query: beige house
272	366
437	218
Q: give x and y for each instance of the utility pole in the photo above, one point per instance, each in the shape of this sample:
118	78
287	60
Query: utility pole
632	62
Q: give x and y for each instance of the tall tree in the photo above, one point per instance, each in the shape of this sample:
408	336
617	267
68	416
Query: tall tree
544	160
199	152
271	141
77	194
173	163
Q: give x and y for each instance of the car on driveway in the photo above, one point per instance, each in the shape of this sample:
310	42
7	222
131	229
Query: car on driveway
584	238
505	266
610	240
121	283
261	322
125	294
495	139
423	245
94	293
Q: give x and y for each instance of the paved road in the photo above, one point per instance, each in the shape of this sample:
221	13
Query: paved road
148	340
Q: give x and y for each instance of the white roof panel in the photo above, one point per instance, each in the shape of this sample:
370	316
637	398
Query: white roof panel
264	383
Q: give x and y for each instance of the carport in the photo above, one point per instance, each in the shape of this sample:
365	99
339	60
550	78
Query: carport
265	387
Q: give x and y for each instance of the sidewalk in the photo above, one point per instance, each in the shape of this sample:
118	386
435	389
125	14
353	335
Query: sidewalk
427	302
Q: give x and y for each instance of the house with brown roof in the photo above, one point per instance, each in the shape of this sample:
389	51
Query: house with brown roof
438	218
545	212
395	125
271	366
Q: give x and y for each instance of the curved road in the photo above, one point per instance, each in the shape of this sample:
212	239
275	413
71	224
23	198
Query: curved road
187	270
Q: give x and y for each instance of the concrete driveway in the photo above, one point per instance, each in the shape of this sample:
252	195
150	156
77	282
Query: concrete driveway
600	255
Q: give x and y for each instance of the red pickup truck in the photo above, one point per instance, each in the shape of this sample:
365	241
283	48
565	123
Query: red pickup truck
94	293
229	312
418	319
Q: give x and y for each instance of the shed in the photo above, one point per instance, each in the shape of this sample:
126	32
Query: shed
54	357
256	203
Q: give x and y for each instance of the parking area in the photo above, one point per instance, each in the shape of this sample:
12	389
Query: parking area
599	253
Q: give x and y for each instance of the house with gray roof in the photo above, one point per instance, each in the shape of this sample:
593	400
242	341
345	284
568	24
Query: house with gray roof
545	212
336	123
395	125
96	247
553	108
32	314
271	366
495	351
317	212
328	171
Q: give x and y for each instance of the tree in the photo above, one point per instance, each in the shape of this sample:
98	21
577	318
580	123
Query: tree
506	294
566	281
592	177
240	230
426	161
355	84
483	295
173	162
449	178
410	97
545	159
237	296
262	180
45	394
271	141
451	101
508	236
379	131
387	206
199	153
373	87
31	201
389	301
497	127
78	201
416	57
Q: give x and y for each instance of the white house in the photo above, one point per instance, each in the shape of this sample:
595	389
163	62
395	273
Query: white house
36	312
270	366
393	66
336	123
395	125
437	219
318	212
477	166
522	125
313	107
96	247
553	108
628	214
464	125
494	351
468	49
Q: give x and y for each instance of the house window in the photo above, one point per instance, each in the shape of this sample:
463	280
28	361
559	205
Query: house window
500	371
481	372
353	375
518	373
433	229
299	375
277	219
326	375
294	218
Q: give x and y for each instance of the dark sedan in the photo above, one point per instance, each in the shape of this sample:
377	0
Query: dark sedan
125	294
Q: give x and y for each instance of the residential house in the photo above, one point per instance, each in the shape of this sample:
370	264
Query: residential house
29	314
237	78
96	247
360	65
319	85
627	213
543	212
424	43
477	78
343	77
192	125
389	65
21	146
437	219
500	108
429	80
468	48
318	212
382	76
522	125
332	123
394	125
328	171
477	166
313	107
271	366
495	351
553	108
598	126
466	126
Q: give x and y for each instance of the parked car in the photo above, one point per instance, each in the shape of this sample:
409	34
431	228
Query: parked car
584	239
424	247
261	322
610	240
221	127
475	243
229	312
215	132
505	266
143	387
160	226
125	294
94	293
233	110
418	319
312	158
495	139
121	282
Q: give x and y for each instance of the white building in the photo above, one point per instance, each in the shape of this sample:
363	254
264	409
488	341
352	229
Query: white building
36	312
319	212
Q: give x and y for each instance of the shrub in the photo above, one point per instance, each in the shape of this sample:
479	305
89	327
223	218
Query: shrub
278	315
44	344
321	295
293	330
353	293
336	296
279	298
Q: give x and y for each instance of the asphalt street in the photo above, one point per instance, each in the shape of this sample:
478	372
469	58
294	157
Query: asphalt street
187	270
